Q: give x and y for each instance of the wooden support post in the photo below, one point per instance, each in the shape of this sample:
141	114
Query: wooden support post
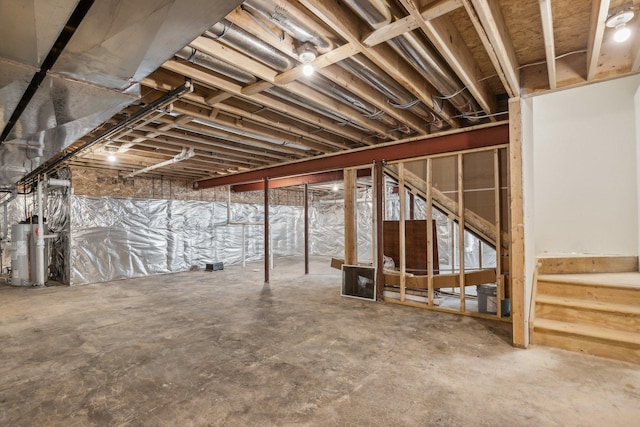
401	227
461	230
516	210
379	218
266	230
350	230
430	236
306	229
496	199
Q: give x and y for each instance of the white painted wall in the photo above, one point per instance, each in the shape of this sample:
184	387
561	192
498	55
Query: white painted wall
584	174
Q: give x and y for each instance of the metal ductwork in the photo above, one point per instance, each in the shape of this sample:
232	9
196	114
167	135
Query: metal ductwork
420	54
305	103
214	64
322	84
247	43
397	96
281	13
111	47
291	20
247	134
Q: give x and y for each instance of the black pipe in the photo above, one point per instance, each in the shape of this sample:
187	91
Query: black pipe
69	29
158	103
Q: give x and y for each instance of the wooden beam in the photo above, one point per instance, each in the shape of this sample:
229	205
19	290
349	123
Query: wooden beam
316	178
599	11
445	142
283	107
430	236
447	40
350	227
516	209
489	23
410	22
350	28
497	212
549	44
232	56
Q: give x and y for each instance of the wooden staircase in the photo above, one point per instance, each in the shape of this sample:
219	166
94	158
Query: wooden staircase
589	305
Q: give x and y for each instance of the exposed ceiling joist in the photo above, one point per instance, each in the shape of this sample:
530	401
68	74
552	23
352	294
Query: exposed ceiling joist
599	11
450	141
447	40
549	44
495	36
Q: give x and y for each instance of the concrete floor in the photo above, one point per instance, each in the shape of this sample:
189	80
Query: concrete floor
201	348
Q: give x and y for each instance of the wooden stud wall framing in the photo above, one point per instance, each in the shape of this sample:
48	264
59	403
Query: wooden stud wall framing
516	209
350	231
496	198
461	230
430	237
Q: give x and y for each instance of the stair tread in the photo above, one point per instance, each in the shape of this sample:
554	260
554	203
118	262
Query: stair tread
589	304
612	280
597	332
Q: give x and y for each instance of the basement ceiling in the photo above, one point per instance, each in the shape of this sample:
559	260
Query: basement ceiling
384	71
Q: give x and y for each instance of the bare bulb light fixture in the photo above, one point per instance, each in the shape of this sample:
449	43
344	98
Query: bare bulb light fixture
111	157
619	21
307	69
307	54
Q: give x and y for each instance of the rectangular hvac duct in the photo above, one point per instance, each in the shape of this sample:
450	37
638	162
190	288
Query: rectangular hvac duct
117	44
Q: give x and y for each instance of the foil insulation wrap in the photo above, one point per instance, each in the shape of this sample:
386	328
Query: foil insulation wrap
115	238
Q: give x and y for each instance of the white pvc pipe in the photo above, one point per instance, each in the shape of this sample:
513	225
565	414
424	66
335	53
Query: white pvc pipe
53	182
40	240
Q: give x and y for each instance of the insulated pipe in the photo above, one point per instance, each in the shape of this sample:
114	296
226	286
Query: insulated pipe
40	239
421	56
368	110
184	155
292	21
5	206
295	99
248	43
53	182
207	61
398	97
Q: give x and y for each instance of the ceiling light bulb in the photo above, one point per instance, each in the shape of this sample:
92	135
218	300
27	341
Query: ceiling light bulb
307	69
622	33
111	158
335	187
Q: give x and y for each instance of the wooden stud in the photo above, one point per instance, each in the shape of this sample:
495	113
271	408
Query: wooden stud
516	209
430	236
599	11
549	44
461	228
401	238
350	227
